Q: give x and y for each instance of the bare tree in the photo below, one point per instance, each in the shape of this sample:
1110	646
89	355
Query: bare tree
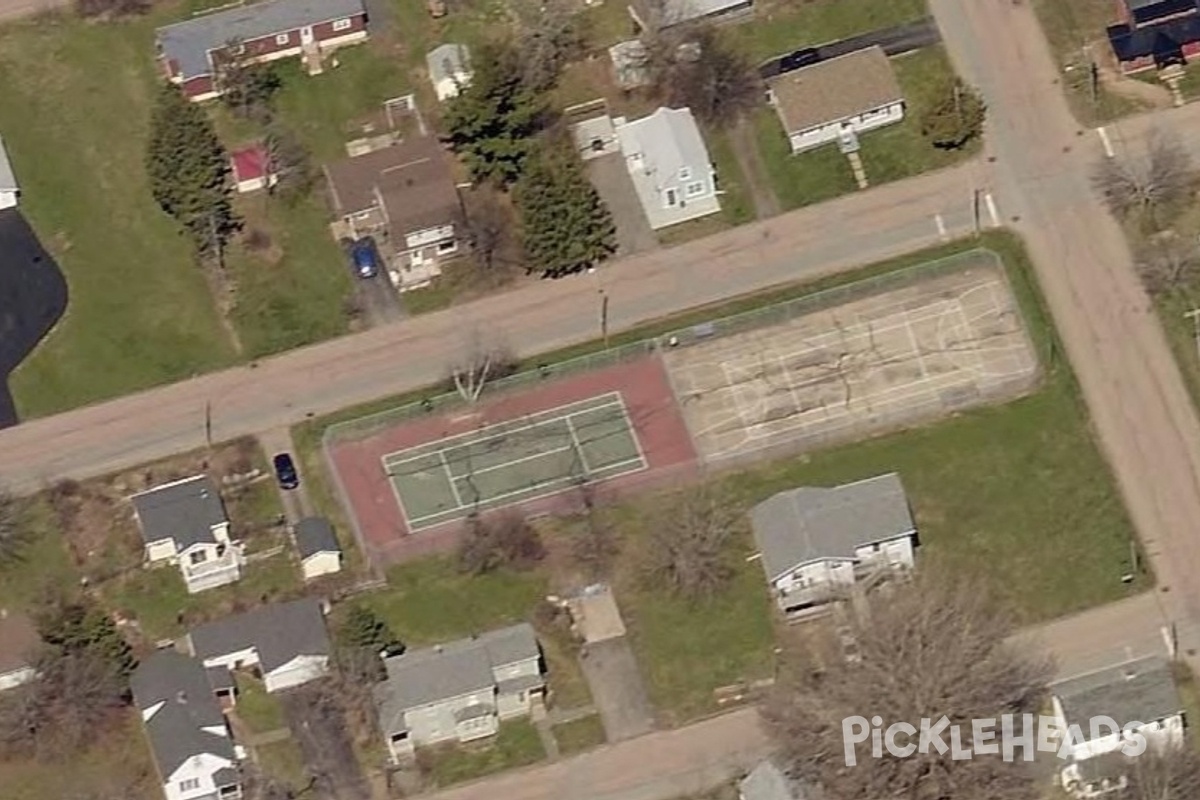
596	547
289	160
695	66
489	226
480	362
1172	774
928	648
15	531
1149	184
549	37
501	540
688	546
1168	263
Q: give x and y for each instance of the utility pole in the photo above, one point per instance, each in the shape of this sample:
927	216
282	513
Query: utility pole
604	318
208	423
1194	316
975	209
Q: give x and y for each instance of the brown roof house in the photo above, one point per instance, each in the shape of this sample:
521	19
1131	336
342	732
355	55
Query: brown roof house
19	642
835	100
404	196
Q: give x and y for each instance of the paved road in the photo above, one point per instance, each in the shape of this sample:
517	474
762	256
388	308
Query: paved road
883	222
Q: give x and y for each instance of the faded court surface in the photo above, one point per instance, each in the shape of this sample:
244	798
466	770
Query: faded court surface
871	363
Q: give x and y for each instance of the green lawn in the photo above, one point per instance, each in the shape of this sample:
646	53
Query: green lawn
74	105
579	735
516	745
44	561
261	712
737	207
804	178
283	761
780	26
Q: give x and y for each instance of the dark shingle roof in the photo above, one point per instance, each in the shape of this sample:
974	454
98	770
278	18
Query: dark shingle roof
1136	691
809	524
188	43
315	535
421	677
185	511
176	730
279	632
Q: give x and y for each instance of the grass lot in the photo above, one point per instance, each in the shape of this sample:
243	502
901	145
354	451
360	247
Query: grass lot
1074	28
44	561
260	711
579	735
891	153
118	766
284	761
780	26
74	104
516	745
736	205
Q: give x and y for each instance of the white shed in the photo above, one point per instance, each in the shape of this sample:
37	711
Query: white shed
449	69
318	547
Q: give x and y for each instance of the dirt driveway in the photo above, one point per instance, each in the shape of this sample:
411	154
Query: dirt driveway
617	689
318	725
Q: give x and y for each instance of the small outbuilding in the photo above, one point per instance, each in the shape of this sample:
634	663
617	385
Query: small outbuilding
449	69
318	547
9	191
252	169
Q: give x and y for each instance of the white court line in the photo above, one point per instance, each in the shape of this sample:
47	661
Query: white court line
941	225
916	348
991	207
1104	140
578	447
450	478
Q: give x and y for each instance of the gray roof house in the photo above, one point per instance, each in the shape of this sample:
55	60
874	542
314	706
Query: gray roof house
286	642
184	523
768	782
459	691
317	546
658	15
187	730
189	51
10	192
814	541
668	161
1140	695
449	68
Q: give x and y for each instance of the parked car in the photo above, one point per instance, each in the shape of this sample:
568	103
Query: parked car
364	258
285	471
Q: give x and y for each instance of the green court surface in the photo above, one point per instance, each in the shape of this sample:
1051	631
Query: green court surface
514	461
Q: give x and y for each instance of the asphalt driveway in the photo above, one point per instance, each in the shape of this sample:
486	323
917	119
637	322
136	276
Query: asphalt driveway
615	187
617	689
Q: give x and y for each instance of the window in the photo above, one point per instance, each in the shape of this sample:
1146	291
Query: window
447	247
342	25
198	557
237	49
695	189
672	198
685	173
282	38
189	785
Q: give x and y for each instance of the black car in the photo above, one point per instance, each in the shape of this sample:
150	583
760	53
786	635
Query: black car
285	471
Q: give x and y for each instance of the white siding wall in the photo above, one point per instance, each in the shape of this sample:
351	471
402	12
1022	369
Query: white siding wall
825	134
320	564
11	680
200	768
8	199
300	669
436	723
428	236
162	550
897	552
243	658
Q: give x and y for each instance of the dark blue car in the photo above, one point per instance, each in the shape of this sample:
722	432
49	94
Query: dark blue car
285	471
364	258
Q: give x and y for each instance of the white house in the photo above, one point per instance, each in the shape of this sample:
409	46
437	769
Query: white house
318	547
816	543
19	642
459	692
10	192
285	642
837	99
194	751
449	69
1139	695
671	170
184	523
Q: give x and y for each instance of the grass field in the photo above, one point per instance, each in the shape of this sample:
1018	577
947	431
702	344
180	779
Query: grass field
780	26
579	735
516	745
261	712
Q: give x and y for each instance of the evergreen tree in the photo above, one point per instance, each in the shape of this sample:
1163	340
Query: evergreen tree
364	630
955	117
492	121
80	628
566	225
188	170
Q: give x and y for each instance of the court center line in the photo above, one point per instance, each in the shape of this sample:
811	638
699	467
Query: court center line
450	479
912	338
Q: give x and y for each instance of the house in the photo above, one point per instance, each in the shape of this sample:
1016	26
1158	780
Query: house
1143	13
190	53
405	196
816	543
251	169
19	642
318	547
285	642
658	15
10	192
837	99
449	69
768	782
184	523
1140	695
459	692
193	748
671	170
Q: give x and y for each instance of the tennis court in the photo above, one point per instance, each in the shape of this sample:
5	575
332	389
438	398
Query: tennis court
514	461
